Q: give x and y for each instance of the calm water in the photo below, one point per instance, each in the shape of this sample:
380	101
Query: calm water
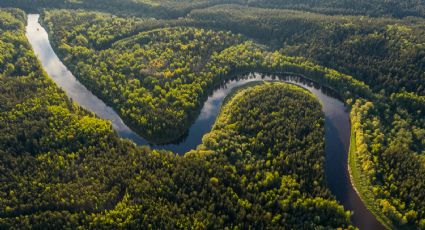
337	124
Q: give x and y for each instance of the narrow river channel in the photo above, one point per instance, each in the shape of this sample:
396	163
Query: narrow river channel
337	123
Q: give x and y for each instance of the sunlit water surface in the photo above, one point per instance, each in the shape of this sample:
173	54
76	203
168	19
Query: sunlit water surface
337	124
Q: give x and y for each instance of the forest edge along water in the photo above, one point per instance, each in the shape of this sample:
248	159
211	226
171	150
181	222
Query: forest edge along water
337	122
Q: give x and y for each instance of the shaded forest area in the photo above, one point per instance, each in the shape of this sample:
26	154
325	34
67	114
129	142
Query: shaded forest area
390	132
61	167
174	9
387	54
158	78
142	65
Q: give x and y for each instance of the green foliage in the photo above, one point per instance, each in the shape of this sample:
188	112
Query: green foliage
178	8
373	7
387	54
274	109
157	79
238	183
391	168
272	135
261	166
411	101
61	167
153	80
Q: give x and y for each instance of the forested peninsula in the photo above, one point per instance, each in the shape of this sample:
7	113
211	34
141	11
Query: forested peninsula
262	164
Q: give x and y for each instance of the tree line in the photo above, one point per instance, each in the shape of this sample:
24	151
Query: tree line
381	59
61	167
174	9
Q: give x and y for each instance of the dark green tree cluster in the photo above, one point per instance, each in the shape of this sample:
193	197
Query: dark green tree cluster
145	8
372	7
158	79
94	30
389	154
61	167
43	135
278	147
179	8
387	54
262	185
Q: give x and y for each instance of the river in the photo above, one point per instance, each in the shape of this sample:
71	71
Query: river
337	123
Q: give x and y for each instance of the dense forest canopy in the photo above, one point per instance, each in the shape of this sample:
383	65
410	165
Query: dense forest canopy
157	78
387	54
389	134
156	73
261	166
62	167
174	9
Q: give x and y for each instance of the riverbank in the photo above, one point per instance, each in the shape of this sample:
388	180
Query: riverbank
362	186
337	119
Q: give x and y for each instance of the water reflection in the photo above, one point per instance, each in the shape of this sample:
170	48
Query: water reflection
39	41
337	126
211	108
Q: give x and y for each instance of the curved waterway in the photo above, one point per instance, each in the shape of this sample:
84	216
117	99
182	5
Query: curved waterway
337	123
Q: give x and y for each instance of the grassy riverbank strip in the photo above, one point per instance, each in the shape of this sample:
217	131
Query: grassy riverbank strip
362	186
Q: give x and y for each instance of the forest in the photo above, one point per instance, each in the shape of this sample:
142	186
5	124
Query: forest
397	125
262	164
61	167
173	9
158	78
387	54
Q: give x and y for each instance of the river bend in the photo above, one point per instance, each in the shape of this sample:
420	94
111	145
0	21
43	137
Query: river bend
337	123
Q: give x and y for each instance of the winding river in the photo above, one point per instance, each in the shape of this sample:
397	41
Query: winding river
337	124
